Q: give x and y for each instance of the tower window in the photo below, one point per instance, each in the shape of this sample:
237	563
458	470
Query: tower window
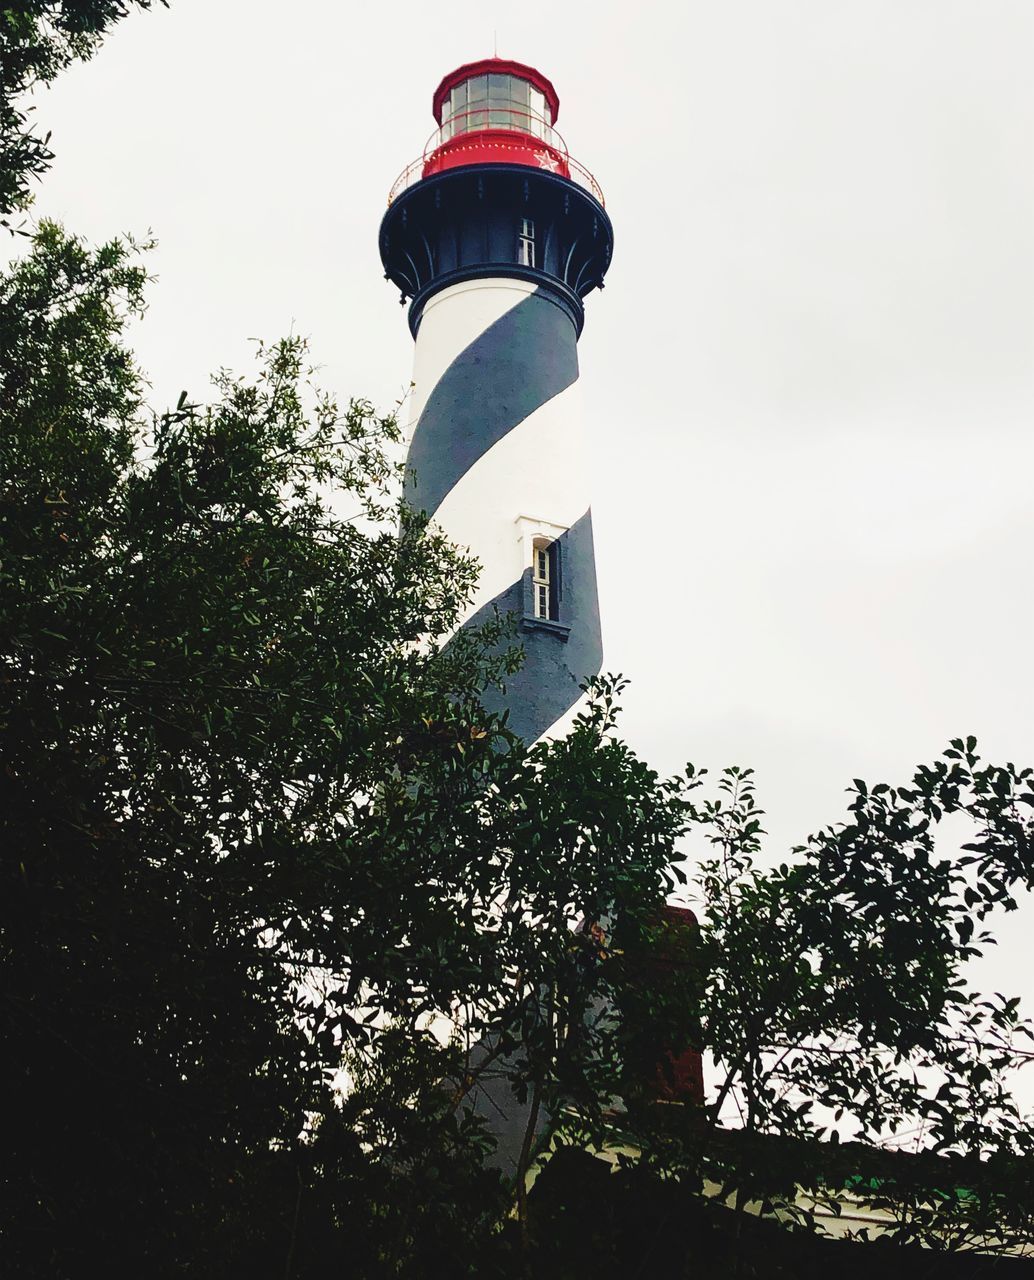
543	569
526	243
545	580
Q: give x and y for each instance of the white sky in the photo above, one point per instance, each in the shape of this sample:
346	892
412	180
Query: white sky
810	379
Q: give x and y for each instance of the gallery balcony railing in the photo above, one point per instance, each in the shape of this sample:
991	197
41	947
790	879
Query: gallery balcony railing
499	134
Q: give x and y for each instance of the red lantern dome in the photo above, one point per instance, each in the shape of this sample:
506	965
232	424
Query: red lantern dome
495	111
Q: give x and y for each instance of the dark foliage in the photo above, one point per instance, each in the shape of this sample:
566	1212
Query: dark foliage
589	1219
255	819
39	38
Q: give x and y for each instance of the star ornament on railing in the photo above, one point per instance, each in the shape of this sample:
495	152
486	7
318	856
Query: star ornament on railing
547	160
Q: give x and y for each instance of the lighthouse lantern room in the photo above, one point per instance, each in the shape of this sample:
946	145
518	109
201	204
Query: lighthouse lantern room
496	111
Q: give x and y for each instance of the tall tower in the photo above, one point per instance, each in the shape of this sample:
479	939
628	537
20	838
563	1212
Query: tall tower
494	236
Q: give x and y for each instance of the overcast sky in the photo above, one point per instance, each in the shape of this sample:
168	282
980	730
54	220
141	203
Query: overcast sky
809	381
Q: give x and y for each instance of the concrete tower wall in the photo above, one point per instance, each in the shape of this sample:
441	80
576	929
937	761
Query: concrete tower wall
498	458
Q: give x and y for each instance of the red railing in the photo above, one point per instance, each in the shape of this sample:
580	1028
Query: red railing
496	119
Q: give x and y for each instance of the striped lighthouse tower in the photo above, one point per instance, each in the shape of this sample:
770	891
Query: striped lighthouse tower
494	236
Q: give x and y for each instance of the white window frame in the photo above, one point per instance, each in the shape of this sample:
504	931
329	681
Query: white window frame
541	579
532	530
526	243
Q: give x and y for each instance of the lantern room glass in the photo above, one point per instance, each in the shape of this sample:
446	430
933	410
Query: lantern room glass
495	101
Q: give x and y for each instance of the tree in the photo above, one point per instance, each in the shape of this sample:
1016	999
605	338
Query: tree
39	38
254	815
834	1001
258	828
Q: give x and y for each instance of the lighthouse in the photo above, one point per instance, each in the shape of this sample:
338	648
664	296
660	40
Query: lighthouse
494	236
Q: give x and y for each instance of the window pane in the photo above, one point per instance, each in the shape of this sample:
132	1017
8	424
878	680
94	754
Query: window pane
519	105
537	110
499	88
458	102
477	97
